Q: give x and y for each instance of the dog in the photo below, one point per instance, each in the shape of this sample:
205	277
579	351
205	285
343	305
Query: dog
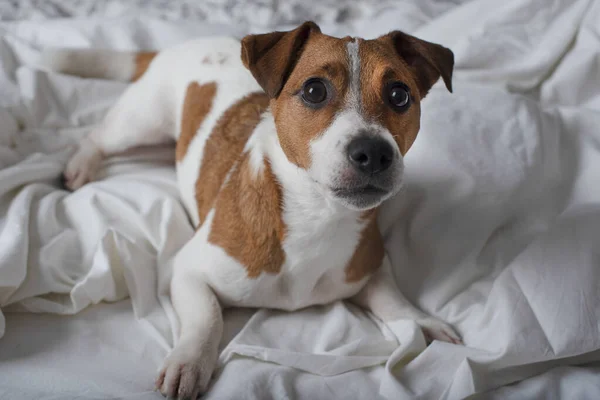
287	143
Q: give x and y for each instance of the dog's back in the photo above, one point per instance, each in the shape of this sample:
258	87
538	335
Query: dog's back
194	89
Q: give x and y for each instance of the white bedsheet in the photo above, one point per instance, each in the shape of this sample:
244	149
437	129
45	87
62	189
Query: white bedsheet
497	230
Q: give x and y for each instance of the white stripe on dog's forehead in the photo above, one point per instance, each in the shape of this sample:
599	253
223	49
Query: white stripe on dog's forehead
354	100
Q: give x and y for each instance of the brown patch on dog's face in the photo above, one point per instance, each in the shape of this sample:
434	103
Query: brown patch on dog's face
368	256
196	106
298	123
351	141
142	62
225	145
381	67
247	222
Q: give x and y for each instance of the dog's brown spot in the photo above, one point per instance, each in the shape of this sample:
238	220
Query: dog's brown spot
379	64
196	106
298	124
368	255
428	61
142	62
247	222
225	145
206	60
400	57
271	57
282	61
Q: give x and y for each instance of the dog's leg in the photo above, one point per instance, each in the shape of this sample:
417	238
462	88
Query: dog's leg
139	117
384	299
187	370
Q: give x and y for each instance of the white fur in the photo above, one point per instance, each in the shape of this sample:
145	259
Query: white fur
329	159
321	232
234	82
312	221
353	100
254	146
91	63
328	153
84	165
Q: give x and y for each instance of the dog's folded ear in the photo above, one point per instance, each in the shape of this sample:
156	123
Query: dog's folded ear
271	57
427	60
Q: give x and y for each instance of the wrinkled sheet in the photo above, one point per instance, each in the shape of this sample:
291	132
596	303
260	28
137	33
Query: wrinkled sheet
497	230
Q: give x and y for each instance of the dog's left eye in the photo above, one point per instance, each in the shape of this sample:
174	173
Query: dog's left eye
398	96
314	92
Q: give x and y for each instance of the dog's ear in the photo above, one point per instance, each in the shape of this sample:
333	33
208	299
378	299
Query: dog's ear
271	57
427	60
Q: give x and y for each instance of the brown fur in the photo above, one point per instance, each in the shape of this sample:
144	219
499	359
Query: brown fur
379	64
247	222
196	106
142	62
224	147
427	61
271	57
298	124
309	53
368	256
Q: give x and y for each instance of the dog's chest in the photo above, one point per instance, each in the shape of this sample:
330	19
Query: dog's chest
317	249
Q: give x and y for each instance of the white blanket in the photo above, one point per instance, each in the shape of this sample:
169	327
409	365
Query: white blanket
497	230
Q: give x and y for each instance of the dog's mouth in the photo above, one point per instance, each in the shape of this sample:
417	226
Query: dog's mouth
368	190
362	197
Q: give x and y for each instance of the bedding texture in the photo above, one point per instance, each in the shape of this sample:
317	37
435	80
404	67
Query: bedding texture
497	229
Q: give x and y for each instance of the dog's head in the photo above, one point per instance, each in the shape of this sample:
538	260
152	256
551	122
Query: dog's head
347	110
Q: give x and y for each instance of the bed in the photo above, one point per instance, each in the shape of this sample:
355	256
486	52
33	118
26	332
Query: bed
497	229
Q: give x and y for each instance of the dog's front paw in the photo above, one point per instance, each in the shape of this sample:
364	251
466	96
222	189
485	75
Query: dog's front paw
434	329
186	372
82	166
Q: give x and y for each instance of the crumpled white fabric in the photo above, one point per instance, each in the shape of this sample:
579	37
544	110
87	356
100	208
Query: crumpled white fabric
497	230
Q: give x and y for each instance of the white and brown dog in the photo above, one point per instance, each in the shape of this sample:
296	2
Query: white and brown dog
283	157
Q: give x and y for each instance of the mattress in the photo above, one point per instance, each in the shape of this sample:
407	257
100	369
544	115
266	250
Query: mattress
496	231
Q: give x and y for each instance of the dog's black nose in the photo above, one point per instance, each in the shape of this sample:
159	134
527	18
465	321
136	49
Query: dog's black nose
370	155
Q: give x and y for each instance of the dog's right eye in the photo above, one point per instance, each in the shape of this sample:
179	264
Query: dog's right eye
314	92
397	95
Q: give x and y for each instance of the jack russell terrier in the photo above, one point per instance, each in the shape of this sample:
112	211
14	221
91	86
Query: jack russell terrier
283	157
